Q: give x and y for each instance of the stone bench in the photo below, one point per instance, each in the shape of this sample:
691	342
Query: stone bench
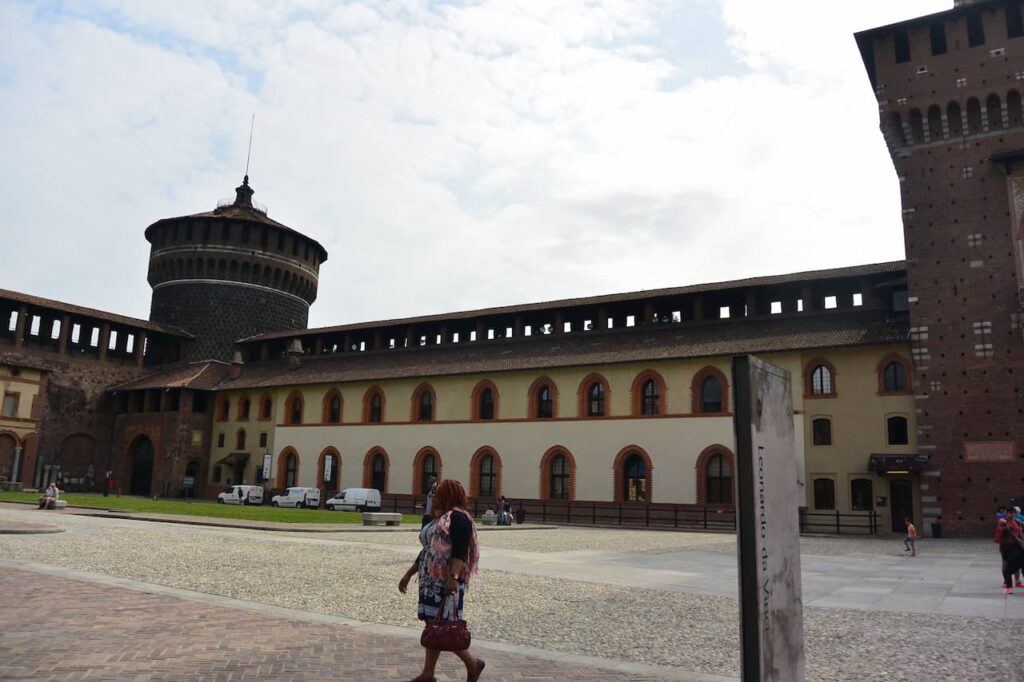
60	504
381	519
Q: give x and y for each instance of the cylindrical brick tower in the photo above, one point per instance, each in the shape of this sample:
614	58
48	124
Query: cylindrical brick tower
229	274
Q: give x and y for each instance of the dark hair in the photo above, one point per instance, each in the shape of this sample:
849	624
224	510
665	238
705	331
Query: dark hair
1002	508
449	495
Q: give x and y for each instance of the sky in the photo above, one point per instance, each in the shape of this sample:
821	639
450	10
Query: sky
448	155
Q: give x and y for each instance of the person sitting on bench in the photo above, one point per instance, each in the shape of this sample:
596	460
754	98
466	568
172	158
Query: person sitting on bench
50	497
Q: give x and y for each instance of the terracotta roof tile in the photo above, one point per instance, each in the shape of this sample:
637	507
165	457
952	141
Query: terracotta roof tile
202	376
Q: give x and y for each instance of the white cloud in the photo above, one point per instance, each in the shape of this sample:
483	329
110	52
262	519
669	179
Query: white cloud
447	156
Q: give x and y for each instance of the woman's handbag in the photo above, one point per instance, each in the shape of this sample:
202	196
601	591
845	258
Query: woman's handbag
446	635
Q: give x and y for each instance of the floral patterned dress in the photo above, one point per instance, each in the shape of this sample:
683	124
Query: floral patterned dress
434	561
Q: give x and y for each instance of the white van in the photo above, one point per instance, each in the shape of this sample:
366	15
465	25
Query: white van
298	497
242	494
355	499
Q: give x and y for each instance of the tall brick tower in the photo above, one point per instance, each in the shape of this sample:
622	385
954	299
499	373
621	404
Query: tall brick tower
949	95
231	273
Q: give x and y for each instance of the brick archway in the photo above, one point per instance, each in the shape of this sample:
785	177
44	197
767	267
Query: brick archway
697	390
702	471
809	378
336	474
583	395
636	393
368	468
620	479
532	401
417	468
477	390
474	471
884	364
368	404
417	396
545	471
282	468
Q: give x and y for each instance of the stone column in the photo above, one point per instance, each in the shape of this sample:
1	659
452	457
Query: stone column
104	340
17	463
65	334
140	348
19	330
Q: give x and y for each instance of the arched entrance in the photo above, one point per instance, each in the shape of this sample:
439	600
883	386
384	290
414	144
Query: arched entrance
142	466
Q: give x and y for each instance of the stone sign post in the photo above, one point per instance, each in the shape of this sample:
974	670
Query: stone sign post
767	501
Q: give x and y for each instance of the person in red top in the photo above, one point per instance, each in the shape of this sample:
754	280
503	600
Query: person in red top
1007	532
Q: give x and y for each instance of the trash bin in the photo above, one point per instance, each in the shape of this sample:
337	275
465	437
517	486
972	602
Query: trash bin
937	529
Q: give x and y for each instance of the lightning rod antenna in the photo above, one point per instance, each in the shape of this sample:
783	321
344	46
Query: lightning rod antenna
248	155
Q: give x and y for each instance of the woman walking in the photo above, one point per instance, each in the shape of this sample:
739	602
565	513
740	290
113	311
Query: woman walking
1007	532
449	557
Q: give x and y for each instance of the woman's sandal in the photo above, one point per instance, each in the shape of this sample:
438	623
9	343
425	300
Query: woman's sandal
480	663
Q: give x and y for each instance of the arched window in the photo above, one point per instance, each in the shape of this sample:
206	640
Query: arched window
821	431
994	110
487	477
293	408
824	493
595	400
711	395
240	439
559	472
487	404
634	477
894	377
287	468
545	404
428	470
330	468
423	399
651	398
862	496
332	407
955	119
243	408
718	477
223	409
973	116
291	470
917	126
373	406
896	428
820	378
935	123
375	469
893	130
266	407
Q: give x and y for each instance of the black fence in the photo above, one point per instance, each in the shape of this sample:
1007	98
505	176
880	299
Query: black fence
687	516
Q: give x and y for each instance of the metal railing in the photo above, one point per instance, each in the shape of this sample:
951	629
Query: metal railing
638	515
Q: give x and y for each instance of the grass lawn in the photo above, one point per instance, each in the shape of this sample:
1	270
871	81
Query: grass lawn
205	508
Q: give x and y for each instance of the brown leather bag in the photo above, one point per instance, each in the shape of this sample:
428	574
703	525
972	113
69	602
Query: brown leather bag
446	635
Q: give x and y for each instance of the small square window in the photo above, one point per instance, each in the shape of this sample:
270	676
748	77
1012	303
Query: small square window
220	440
831	302
858	300
776	307
723	312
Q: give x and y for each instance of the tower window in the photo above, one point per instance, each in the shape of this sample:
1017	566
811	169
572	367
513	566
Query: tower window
975	30
938	36
902	46
1014	25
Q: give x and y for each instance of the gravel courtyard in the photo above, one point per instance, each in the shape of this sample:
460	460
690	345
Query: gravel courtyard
355	575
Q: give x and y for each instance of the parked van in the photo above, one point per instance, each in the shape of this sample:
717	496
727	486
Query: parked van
355	499
242	494
297	497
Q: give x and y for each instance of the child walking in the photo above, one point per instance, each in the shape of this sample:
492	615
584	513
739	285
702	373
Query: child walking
910	541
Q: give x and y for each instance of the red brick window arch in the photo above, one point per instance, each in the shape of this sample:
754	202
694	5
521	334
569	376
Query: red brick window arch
715	475
894	375
293	408
543	399
424	403
819	379
633	475
648	394
376	466
244	405
558	474
485	401
328	475
710	392
266	407
485	473
426	464
287	468
373	405
331	407
595	396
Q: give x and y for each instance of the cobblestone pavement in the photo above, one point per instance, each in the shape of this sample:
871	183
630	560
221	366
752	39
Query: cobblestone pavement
872	634
70	629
